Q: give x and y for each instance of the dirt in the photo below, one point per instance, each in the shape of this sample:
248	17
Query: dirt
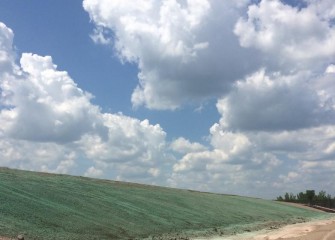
5	238
320	230
314	230
302	206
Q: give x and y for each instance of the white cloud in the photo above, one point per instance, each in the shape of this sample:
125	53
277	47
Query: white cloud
291	37
186	51
270	65
330	69
325	9
278	102
135	149
276	134
43	104
260	163
154	172
47	123
99	36
6	53
50	157
311	175
93	172
64	166
182	145
128	139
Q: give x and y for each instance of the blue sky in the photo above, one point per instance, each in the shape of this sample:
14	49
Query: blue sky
95	68
234	97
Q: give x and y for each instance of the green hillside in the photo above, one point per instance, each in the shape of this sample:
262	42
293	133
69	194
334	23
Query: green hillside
48	206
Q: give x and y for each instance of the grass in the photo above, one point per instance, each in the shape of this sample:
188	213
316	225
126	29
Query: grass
48	206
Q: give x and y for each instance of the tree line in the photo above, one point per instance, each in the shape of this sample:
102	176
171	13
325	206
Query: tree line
309	197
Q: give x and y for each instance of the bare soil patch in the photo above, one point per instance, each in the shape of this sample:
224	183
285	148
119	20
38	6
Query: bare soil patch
5	238
314	230
302	206
319	230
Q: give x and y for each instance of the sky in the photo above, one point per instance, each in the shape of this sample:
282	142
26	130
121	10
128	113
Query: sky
233	97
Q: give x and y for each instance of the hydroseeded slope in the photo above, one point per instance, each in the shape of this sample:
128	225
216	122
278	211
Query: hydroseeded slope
47	206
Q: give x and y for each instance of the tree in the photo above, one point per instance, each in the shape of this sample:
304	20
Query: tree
310	196
287	197
292	198
321	199
329	201
280	198
301	198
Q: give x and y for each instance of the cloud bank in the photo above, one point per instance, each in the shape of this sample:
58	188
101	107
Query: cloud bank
187	51
270	65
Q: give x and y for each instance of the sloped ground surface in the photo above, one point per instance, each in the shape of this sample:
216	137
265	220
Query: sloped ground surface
48	206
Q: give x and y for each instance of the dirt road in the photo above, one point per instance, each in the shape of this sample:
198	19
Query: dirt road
314	230
321	230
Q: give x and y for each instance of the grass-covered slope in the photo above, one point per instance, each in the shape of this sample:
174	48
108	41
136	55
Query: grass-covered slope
47	206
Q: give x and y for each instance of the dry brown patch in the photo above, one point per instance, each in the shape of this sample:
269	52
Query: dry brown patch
5	238
299	205
314	230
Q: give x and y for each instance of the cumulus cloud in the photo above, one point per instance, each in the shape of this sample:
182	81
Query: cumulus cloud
135	149
260	162
46	157
291	37
278	102
128	139
93	172
47	123
186	51
7	55
270	65
330	69
43	104
182	145
276	134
